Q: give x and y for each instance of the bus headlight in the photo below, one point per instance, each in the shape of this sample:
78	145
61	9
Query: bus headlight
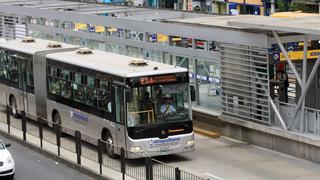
190	143
135	149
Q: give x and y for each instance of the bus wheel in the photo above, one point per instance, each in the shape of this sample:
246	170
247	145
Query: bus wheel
57	121
109	148
13	107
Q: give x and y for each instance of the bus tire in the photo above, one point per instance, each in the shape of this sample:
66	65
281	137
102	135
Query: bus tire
109	147
13	107
56	119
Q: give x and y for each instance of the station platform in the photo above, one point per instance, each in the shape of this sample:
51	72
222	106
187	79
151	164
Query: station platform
302	145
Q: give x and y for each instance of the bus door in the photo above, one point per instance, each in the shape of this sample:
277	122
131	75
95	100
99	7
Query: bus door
119	116
22	69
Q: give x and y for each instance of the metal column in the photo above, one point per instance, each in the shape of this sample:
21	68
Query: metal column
196	83
304	78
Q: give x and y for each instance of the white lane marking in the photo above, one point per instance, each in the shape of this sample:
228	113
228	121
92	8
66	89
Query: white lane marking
215	177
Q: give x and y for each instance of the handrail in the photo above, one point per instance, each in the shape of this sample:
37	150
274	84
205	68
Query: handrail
151	111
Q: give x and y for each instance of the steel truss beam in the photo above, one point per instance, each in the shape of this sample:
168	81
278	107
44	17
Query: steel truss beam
305	90
283	50
277	113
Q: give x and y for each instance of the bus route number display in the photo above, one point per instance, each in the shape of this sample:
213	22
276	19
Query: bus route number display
157	79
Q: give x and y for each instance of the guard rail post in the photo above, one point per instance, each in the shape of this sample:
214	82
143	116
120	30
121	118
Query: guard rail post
123	163
78	146
149	173
39	120
24	125
100	158
177	174
8	117
58	130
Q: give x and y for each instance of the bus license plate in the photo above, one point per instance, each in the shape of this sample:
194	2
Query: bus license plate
164	149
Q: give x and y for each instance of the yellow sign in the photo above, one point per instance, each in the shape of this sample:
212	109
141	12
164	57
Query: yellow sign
99	29
298	55
162	38
112	29
80	26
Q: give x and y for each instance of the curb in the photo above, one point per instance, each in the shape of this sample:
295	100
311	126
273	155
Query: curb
207	133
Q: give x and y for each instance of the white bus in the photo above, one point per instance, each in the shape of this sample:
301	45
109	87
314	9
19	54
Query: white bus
140	105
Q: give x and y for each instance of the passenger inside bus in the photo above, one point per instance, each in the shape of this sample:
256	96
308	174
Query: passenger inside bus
66	90
167	107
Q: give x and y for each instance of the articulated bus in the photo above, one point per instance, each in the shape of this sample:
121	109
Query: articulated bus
140	105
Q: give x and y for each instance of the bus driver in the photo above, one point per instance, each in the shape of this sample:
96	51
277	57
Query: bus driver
167	107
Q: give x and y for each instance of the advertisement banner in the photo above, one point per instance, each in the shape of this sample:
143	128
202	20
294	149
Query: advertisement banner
298	55
162	38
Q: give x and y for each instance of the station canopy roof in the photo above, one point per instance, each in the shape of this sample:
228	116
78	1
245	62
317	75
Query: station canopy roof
300	24
94	8
296	23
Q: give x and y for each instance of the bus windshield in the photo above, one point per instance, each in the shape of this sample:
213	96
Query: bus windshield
157	104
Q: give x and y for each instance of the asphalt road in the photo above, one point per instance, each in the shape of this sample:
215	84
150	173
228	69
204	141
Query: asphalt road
33	166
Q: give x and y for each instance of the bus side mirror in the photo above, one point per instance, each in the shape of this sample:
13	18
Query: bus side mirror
192	93
129	95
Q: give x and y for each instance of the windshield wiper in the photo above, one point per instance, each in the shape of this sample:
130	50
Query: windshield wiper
145	128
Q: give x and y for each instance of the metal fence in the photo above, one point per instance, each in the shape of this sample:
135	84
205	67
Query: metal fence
74	146
245	82
309	124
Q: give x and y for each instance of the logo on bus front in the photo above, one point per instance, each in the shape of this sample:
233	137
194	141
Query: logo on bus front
167	142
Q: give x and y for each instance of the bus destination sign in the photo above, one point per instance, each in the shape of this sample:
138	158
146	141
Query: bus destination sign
157	79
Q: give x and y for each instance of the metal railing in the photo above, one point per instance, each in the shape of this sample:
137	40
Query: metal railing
74	146
309	124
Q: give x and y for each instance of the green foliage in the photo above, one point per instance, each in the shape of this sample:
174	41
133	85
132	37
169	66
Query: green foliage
281	6
196	9
297	5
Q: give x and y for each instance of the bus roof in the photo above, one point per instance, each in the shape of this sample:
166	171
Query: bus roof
31	47
114	64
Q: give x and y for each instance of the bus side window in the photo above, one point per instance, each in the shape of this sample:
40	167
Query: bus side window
77	78
2	68
53	80
12	69
91	93
30	81
78	92
54	85
66	89
65	74
104	101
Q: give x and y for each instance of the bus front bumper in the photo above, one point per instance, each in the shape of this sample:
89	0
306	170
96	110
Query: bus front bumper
159	147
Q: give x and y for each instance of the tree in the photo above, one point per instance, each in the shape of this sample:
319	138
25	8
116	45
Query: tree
297	5
281	6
